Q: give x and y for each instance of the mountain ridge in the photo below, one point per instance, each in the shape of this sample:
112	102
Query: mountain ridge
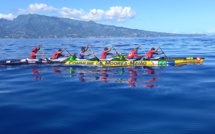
41	26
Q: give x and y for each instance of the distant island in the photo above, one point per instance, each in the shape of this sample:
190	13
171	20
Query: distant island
40	26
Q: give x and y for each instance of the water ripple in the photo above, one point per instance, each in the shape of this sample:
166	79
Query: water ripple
54	99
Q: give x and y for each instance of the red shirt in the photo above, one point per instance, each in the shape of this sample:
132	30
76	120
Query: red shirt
56	55
33	55
104	54
150	53
132	54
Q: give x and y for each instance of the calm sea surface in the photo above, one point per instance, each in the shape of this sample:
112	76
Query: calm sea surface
91	100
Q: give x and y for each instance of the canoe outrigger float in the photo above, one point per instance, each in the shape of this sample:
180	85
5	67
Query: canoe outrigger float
118	62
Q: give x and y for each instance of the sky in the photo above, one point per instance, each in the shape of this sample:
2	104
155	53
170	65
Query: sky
171	16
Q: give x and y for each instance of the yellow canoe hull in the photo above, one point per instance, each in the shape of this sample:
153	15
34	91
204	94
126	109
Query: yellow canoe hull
128	63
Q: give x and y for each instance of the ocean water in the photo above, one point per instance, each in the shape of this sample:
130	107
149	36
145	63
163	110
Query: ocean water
94	100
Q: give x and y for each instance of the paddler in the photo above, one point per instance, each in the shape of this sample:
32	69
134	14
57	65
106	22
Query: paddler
82	53
153	51
133	53
58	54
34	52
105	52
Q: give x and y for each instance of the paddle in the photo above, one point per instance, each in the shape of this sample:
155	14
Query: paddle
144	53
143	56
68	51
42	50
163	52
94	54
49	61
116	52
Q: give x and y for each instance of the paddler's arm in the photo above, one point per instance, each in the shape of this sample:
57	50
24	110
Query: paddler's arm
39	46
68	55
111	53
155	52
157	48
89	54
64	55
87	47
40	54
138	46
158	53
109	49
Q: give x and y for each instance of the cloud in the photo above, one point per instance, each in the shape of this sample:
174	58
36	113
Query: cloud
71	13
176	31
205	31
116	13
37	8
210	31
113	14
6	16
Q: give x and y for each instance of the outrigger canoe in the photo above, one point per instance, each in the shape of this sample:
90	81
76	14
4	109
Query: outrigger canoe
116	62
34	61
111	62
